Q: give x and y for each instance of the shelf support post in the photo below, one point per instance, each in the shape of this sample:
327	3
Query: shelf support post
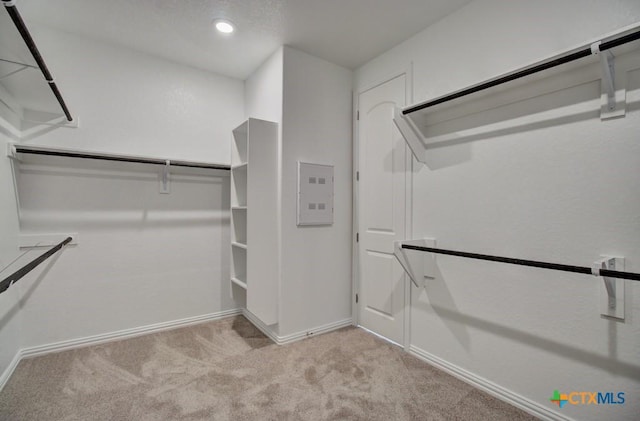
411	134
612	107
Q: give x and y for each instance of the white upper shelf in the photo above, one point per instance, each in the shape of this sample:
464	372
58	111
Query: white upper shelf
27	89
465	113
14	150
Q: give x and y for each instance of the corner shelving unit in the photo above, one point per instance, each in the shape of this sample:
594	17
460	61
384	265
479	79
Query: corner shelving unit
239	167
254	216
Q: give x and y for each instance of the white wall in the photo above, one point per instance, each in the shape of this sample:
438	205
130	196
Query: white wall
9	300
311	100
263	90
143	258
316	260
563	193
263	100
132	103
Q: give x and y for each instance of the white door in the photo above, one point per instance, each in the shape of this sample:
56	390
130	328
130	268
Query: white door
381	210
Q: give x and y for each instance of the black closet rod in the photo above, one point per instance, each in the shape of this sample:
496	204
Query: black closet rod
545	265
121	159
605	45
17	275
26	36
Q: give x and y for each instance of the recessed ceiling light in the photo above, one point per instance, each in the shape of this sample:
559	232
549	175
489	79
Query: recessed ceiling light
224	26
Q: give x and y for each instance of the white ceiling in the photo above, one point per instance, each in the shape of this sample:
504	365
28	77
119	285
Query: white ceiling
345	32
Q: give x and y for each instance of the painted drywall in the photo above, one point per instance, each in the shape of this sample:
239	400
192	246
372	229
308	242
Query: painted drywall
310	98
315	260
131	103
9	300
263	100
143	257
563	192
263	90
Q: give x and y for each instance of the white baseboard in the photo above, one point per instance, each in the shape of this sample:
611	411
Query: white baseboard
491	388
124	334
261	326
286	339
314	331
6	375
109	337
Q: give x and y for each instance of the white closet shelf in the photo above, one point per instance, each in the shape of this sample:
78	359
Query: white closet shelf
239	245
239	208
22	56
239	167
14	149
425	124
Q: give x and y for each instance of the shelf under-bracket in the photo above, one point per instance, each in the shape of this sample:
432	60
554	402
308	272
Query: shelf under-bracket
612	290
11	151
165	181
419	266
613	100
411	134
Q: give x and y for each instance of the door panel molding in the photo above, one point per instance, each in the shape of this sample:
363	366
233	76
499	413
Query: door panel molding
381	231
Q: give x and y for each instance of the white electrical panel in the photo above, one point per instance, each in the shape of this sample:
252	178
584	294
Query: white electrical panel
315	194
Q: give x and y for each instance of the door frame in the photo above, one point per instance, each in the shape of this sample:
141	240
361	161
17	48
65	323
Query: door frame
407	71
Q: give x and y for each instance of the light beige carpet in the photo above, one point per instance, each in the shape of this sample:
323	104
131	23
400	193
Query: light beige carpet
228	370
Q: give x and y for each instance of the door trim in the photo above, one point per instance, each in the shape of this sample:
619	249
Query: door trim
407	71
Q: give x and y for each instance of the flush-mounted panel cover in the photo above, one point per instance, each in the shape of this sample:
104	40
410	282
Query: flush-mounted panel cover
315	194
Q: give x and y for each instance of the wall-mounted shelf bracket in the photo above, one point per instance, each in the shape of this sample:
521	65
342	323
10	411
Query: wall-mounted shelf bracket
613	101
607	61
419	266
411	134
11	151
165	182
612	290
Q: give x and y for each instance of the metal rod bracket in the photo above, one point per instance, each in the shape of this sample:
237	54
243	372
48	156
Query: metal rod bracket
16	276
608	73
165	182
612	290
613	97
